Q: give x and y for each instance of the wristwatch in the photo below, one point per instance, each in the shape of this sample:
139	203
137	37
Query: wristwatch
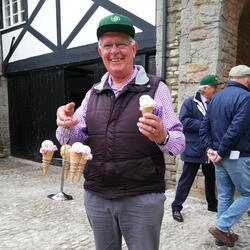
165	140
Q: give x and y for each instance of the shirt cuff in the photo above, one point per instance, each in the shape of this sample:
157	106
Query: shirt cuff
175	144
63	135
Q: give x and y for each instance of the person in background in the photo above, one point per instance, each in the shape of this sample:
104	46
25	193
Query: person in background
225	134
124	182
191	115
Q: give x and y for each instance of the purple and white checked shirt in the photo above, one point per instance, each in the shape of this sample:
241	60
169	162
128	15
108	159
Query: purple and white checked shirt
163	109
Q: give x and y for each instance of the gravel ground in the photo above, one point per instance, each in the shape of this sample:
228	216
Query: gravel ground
29	220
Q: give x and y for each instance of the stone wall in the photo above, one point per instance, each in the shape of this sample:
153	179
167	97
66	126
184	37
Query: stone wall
191	36
172	64
4	116
199	49
202	38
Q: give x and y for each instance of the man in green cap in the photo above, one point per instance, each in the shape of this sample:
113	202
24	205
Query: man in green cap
124	182
191	115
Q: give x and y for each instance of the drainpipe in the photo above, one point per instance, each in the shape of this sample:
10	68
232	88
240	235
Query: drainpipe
164	39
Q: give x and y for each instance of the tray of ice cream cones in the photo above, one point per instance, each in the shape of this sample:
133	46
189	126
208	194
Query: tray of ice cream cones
74	157
74	160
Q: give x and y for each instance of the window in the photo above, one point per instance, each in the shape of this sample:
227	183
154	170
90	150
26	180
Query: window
13	12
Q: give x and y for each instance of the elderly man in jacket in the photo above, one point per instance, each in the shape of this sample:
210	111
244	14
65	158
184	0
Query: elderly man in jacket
124	182
225	133
192	113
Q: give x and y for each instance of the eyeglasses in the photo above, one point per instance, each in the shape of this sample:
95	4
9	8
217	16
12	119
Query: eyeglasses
120	46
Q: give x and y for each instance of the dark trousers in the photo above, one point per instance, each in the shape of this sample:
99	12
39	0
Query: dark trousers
186	180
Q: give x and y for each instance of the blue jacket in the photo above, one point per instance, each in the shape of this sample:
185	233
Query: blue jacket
191	114
226	125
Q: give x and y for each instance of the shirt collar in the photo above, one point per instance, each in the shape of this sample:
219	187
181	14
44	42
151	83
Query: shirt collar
110	81
203	99
139	74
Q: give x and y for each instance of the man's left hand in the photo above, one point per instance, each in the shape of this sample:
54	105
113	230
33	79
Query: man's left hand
151	126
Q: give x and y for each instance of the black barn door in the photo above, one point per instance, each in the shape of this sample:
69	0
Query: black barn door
20	116
33	100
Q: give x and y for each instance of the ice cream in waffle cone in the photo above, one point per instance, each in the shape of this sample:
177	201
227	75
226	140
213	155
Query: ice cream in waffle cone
75	156
47	150
86	155
47	156
147	104
65	153
74	161
81	167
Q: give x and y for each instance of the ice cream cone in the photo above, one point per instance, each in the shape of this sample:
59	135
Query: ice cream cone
66	168
81	167
147	110
147	104
47	156
47	150
64	151
74	161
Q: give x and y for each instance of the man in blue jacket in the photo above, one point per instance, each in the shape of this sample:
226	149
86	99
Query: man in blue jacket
225	133
192	113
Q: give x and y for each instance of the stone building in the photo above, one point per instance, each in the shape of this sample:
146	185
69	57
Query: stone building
203	36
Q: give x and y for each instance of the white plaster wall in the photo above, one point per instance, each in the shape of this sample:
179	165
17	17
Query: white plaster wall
45	21
87	35
143	9
6	41
29	47
71	14
31	6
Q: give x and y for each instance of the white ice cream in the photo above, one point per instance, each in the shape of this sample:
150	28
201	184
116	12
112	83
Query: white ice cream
47	145
78	147
87	154
146	101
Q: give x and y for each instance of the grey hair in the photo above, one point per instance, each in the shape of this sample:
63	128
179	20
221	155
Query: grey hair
201	88
238	77
131	40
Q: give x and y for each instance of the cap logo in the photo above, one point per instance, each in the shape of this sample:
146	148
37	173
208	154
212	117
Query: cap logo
115	19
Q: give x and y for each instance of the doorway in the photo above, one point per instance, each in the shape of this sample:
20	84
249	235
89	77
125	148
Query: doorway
34	97
243	55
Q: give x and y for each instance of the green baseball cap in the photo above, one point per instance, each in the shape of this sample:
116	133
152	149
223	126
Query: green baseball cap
116	23
210	80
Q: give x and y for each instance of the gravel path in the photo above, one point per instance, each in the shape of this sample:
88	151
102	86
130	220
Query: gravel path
29	220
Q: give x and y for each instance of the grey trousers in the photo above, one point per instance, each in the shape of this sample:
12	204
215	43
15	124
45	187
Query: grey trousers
138	219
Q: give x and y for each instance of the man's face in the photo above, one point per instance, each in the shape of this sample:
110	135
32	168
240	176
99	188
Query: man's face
117	53
210	91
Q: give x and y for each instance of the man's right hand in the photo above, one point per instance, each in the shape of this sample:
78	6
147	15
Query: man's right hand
64	116
213	155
